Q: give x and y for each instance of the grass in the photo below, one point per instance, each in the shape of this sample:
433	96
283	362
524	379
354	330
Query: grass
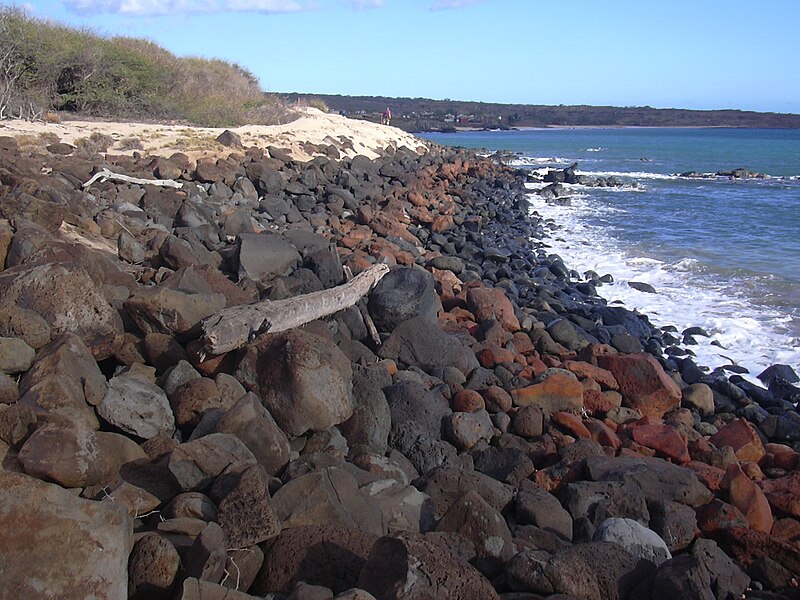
49	68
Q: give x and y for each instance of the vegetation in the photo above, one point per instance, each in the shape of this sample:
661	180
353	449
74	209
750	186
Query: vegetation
47	67
420	114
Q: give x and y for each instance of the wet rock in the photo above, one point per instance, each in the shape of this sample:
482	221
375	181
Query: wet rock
43	516
407	567
304	380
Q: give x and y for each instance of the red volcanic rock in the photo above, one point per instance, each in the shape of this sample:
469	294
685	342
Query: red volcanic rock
494	355
748	498
784	493
643	383
523	343
488	303
664	440
710	476
592	352
572	423
603	434
559	392
441	223
743	438
718	515
747	545
467	401
596	402
497	399
780	457
585	369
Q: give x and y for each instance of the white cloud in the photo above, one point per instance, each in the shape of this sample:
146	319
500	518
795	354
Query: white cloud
365	4
167	7
450	4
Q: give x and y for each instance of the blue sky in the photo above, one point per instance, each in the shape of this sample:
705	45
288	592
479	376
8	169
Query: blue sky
662	53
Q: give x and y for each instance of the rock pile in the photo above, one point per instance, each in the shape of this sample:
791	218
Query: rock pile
507	435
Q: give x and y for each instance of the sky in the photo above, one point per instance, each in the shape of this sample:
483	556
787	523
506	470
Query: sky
701	54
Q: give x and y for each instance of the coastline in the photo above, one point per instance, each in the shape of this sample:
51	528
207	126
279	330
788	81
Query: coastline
464	439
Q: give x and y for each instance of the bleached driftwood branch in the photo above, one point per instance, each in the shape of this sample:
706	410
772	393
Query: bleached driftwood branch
105	174
233	327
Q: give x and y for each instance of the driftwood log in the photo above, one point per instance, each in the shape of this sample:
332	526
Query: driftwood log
233	327
105	174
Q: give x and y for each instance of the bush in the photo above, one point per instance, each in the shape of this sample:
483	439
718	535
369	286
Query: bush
50	67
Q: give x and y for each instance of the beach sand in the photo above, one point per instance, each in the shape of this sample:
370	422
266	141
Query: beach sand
350	136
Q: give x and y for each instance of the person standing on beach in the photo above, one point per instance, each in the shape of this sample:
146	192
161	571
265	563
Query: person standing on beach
387	117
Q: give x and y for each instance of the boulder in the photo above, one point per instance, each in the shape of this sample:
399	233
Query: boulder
93	539
152	568
445	485
536	506
420	343
744	494
743	438
559	391
372	419
330	496
643	383
665	440
249	421
162	310
137	407
783	493
67	299
262	257
465	429
303	379
637	539
319	555
245	513
484	526
64	382
196	464
15	355
403	294
409	567
492	303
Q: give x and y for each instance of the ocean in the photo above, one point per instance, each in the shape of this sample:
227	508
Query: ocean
721	254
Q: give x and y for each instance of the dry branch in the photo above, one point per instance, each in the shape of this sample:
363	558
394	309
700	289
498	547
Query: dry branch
105	174
233	327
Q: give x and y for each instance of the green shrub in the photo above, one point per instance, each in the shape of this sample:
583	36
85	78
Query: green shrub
51	67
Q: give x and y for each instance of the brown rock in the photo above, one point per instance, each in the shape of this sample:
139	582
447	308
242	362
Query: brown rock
67	299
643	383
246	514
193	399
586	369
748	545
249	421
783	493
497	399
9	392
528	421
743	438
327	497
663	439
196	464
748	498
163	310
492	303
484	526
304	380
152	568
572	424
319	555
467	401
410	567
560	391
92	540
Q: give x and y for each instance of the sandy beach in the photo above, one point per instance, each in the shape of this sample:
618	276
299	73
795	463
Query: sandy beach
351	137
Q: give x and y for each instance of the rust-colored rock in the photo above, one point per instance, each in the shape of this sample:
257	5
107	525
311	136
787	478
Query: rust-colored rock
572	424
467	401
559	392
663	439
743	438
586	369
643	383
488	303
748	498
783	494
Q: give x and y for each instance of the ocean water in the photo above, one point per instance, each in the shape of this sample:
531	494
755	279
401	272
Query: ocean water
722	255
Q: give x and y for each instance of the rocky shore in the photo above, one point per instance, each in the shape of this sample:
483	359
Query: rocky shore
482	425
